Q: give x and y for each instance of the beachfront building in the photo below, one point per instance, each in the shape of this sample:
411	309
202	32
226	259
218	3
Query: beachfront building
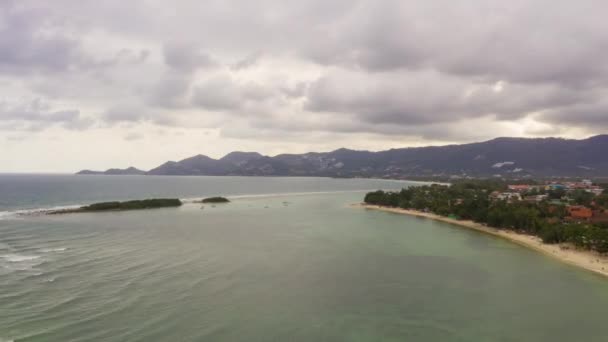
579	213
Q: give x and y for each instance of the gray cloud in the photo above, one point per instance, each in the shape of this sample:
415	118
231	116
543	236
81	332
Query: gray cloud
223	93
171	91
124	113
296	90
386	67
28	42
33	40
186	57
36	115
247	62
412	98
519	41
591	114
217	94
130	114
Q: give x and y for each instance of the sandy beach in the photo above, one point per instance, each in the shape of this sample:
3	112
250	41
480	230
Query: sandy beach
588	260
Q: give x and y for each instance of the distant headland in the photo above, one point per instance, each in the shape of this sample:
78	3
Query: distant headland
128	171
501	157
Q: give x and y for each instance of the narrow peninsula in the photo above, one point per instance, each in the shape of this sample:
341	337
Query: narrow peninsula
123	206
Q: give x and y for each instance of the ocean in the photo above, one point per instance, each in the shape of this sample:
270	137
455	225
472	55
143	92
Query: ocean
289	259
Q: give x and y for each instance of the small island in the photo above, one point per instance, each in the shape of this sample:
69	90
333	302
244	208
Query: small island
122	206
216	199
130	171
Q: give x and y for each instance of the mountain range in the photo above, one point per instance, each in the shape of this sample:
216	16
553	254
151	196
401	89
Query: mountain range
514	157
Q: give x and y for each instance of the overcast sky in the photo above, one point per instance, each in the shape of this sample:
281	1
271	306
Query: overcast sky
113	83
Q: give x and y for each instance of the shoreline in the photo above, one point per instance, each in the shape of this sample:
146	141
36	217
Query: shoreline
588	260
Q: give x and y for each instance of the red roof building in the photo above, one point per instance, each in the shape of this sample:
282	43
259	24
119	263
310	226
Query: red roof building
579	213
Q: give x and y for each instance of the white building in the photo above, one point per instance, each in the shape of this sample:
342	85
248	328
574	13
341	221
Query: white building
506	196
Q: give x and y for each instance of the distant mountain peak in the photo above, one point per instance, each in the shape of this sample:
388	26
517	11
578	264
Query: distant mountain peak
241	154
343	149
241	158
519	157
199	156
598	138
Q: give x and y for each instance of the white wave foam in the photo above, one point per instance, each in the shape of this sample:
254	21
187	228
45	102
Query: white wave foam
18	257
279	194
309	193
53	250
4	215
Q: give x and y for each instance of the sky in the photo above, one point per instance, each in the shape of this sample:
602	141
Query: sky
114	83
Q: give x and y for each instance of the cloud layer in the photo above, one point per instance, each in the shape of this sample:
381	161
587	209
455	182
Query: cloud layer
256	73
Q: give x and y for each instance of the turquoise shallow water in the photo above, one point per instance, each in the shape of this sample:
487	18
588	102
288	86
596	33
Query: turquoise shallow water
305	267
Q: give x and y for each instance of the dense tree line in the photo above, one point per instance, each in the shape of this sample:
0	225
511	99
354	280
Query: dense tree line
215	200
153	203
471	201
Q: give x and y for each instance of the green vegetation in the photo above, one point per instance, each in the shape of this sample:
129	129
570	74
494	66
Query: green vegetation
471	200
134	205
602	200
215	200
128	205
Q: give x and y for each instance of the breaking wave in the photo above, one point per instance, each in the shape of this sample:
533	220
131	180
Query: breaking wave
12	214
18	257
